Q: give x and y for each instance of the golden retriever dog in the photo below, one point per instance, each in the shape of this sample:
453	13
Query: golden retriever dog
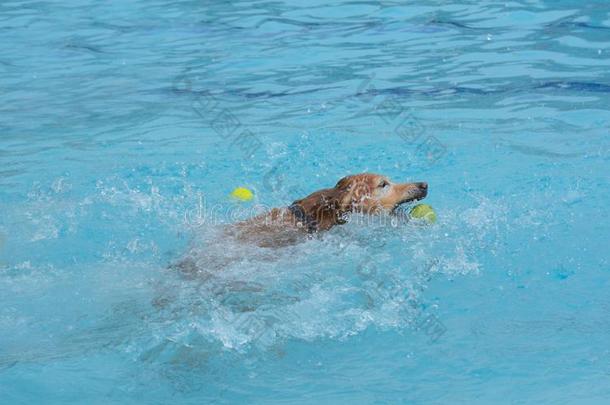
365	193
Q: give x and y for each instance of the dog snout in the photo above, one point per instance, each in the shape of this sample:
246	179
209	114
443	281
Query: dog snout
422	189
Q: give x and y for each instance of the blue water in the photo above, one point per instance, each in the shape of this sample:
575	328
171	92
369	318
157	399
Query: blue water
125	124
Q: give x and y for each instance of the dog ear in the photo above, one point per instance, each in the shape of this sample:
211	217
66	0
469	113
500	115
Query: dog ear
354	189
326	207
344	183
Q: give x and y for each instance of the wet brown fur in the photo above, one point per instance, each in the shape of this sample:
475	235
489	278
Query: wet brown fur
365	193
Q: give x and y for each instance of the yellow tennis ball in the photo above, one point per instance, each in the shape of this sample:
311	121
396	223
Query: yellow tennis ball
242	194
423	211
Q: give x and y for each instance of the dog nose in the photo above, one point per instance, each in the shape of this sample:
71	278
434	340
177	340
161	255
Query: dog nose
423	185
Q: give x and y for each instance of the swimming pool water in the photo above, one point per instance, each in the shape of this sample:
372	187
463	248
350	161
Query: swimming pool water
125	126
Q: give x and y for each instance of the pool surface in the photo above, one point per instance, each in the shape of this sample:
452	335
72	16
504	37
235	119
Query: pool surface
126	125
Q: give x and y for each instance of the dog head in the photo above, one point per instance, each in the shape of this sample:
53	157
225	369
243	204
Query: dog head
365	193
